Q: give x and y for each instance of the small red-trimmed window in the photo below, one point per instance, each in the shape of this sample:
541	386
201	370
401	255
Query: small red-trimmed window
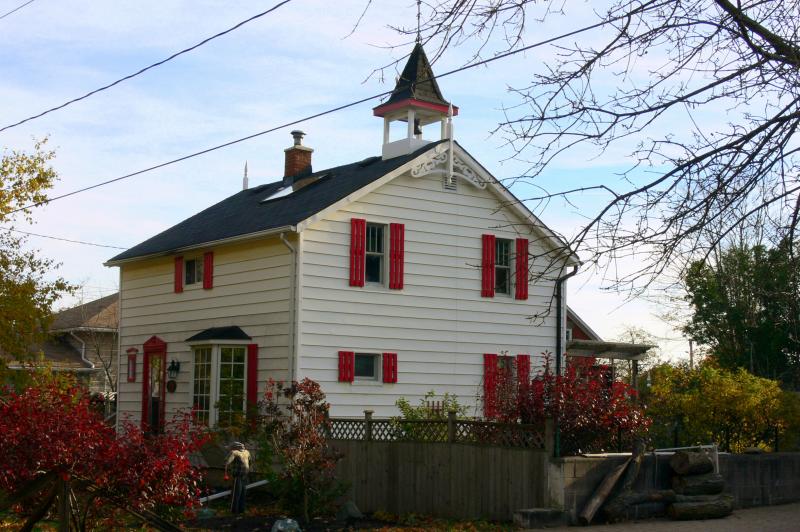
132	364
521	266
193	271
346	366
390	367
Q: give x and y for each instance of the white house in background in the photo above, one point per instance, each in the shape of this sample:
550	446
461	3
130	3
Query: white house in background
380	279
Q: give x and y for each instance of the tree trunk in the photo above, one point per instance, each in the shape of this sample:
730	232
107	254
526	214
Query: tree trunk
708	484
691	463
712	508
602	493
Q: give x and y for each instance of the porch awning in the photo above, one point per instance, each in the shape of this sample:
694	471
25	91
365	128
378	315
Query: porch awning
220	333
601	349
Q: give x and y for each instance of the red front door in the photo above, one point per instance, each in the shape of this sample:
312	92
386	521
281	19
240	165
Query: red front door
154	384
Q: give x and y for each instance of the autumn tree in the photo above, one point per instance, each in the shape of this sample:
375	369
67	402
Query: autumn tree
745	306
652	77
27	293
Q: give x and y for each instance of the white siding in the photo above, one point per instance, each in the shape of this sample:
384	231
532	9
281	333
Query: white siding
438	324
251	289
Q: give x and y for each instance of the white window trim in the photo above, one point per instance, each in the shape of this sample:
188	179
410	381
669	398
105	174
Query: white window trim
385	266
199	259
378	378
216	347
511	267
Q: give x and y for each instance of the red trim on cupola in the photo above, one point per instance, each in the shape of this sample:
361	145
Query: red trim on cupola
382	110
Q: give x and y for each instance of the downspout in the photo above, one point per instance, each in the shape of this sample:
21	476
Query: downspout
559	350
83	350
295	302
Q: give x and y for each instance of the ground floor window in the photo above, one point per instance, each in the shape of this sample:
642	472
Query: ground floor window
219	384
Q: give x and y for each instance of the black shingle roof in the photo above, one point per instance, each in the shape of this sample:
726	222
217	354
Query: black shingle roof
246	212
220	333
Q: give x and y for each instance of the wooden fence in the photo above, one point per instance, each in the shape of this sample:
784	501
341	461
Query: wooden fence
449	468
451	430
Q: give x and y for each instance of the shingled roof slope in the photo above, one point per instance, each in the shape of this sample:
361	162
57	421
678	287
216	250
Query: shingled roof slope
101	313
417	81
246	212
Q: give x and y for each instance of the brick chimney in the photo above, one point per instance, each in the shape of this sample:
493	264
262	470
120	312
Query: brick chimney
298	159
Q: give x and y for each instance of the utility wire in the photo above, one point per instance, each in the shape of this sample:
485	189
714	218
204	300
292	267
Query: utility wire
145	69
62	239
317	115
16	9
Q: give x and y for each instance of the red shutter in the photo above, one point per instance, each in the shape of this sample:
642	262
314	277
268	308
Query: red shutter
178	275
396	255
346	366
489	384
208	270
252	377
358	243
487	266
390	367
522	269
523	370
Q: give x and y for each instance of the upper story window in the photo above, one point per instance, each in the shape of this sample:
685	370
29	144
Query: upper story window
502	266
375	255
193	271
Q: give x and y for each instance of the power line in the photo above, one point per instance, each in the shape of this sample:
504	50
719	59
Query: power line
315	115
16	9
62	239
145	69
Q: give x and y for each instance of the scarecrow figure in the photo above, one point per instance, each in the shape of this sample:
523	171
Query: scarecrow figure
238	463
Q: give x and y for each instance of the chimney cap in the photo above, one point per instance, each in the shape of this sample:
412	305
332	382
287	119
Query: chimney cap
298	135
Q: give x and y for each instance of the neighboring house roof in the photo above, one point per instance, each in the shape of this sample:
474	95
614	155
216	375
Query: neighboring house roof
573	317
417	81
247	213
594	346
101	314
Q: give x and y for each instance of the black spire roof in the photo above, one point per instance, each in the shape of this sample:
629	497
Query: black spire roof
417	81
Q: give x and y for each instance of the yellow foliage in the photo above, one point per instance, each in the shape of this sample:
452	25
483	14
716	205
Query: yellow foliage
734	409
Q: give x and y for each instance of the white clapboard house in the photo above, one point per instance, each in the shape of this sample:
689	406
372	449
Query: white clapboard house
379	279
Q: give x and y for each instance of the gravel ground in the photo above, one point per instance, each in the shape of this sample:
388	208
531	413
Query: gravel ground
783	518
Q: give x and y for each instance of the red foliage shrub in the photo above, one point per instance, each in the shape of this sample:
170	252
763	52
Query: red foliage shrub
294	425
51	427
595	414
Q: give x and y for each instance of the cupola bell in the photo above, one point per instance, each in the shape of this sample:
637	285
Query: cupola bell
416	100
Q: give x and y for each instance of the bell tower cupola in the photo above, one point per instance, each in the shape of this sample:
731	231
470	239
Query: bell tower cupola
416	100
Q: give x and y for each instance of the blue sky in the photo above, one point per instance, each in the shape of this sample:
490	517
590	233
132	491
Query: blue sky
289	64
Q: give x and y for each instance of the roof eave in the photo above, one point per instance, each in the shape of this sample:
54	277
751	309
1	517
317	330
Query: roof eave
229	240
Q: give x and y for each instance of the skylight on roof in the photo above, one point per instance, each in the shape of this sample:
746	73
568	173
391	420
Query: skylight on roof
280	193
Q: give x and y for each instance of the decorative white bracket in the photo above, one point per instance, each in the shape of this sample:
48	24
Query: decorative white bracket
430	162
